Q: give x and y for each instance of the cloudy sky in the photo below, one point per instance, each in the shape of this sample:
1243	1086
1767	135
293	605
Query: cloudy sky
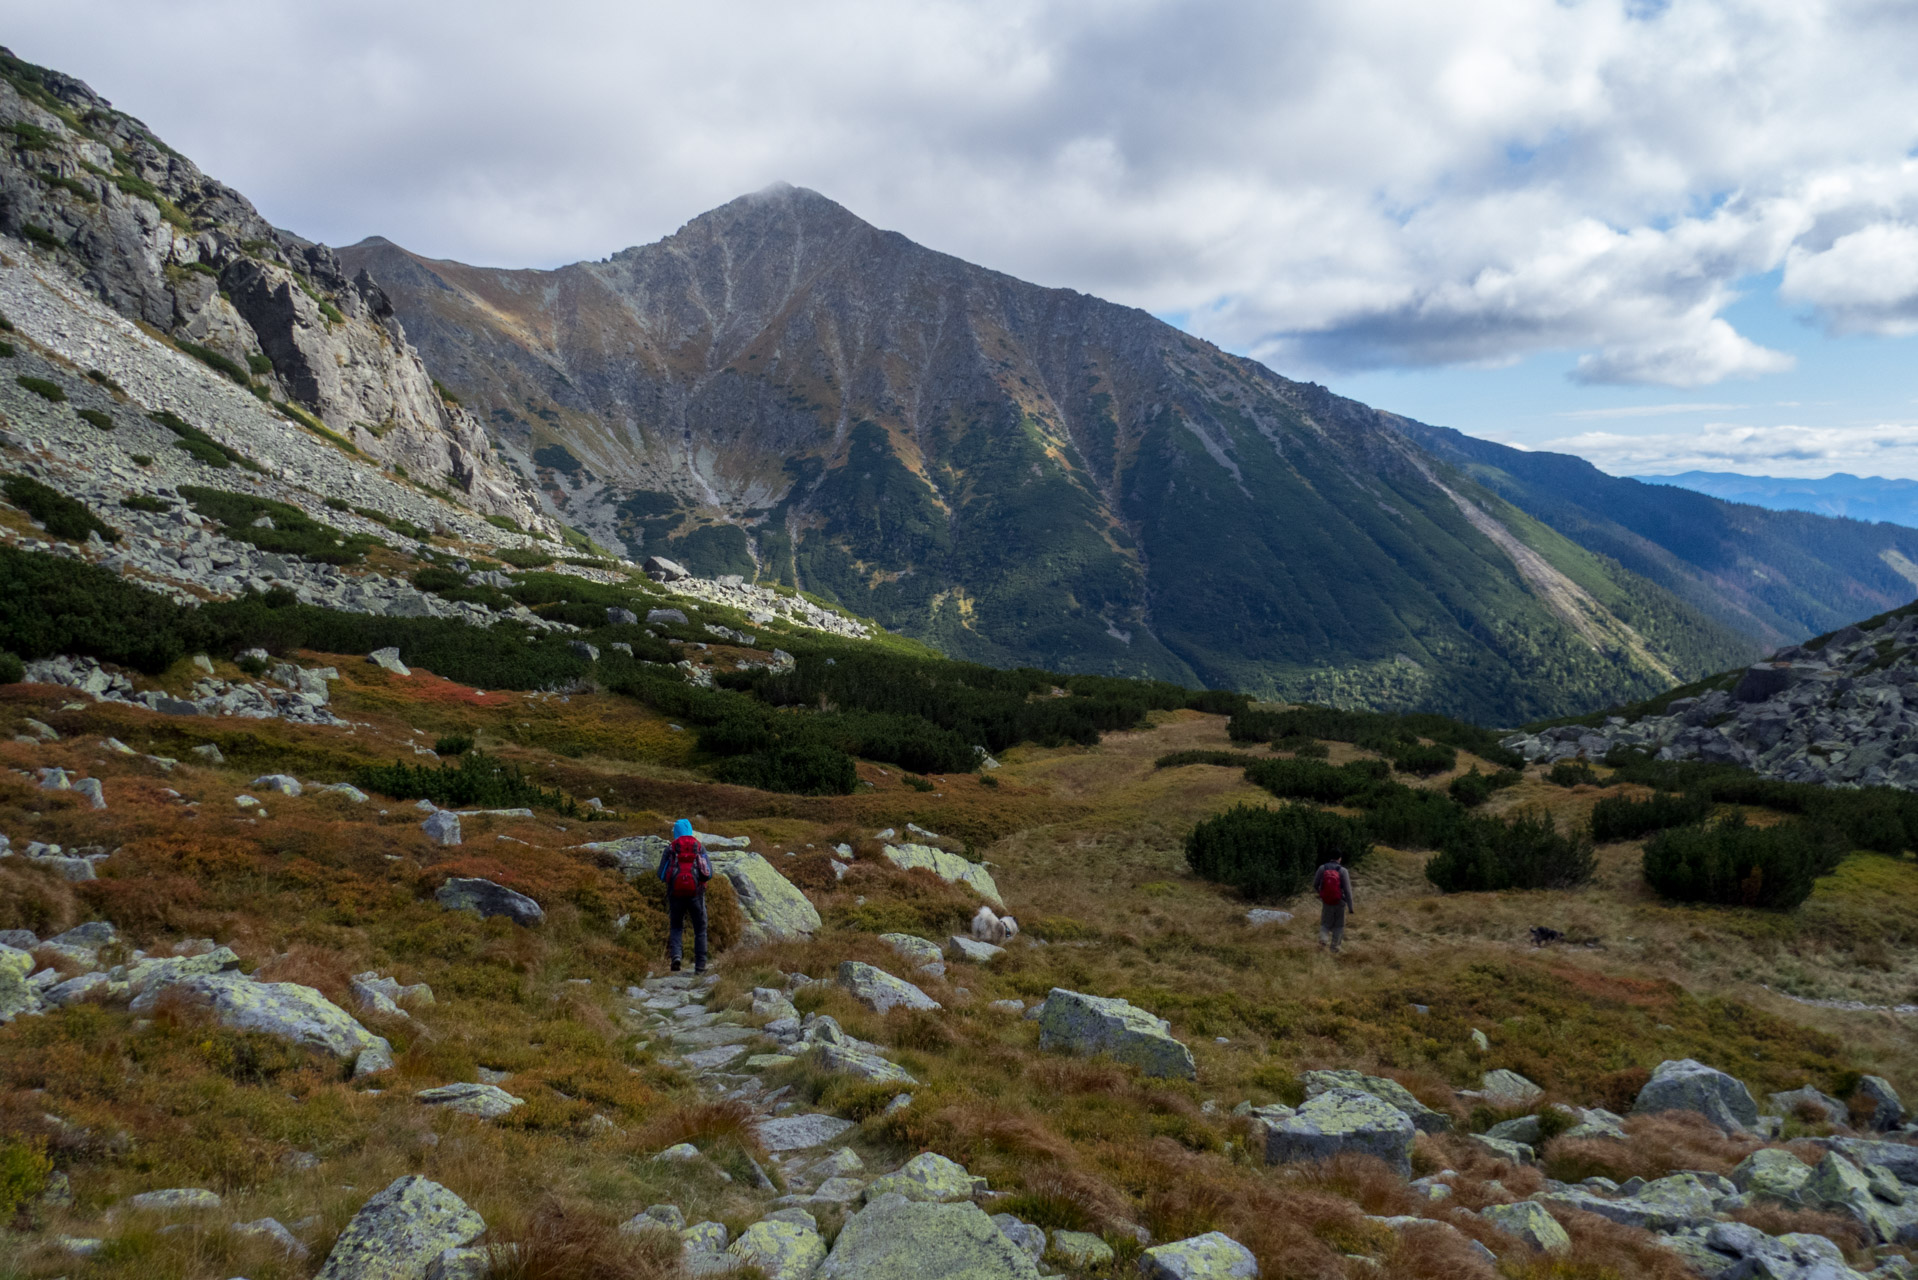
1662	235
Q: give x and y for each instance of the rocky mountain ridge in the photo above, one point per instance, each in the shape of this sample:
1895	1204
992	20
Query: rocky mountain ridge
1018	474
138	226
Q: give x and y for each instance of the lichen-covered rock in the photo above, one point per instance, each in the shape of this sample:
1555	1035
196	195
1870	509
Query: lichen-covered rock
463	893
927	1176
1028	1237
771	1003
913	948
1808	1102
1339	1122
398	1233
487	1101
1840	1186
1772	1173
1685	1085
782	1250
949	867
1901	1158
443	828
1506	1149
1529	1222
972	949
894	1238
150	975
860	1062
1081	1250
881	991
1212	1256
275	1230
1423	1118
1665	1204
774	908
1887	1109
16	997
283	1009
1508	1089
1526	1129
1084	1024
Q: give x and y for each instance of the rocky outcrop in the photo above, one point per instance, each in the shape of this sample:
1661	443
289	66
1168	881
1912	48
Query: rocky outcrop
895	1238
164	245
927	1176
398	1233
1845	712
879	990
286	1010
949	867
773	907
1338	1122
1083	1024
1685	1085
1391	1092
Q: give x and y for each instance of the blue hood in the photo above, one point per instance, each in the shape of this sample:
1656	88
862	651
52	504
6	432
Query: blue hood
682	828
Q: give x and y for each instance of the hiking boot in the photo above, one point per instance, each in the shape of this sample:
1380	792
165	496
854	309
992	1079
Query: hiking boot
675	966
699	968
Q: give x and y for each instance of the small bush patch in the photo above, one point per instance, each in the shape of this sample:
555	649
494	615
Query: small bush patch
1528	852
292	531
50	391
1474	789
477	781
1620	818
61	516
98	417
1271	853
1735	864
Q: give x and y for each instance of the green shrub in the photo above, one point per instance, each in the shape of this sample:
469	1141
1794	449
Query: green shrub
146	502
405	528
1735	864
1423	759
1620	818
41	236
50	391
134	185
455	744
476	781
293	531
1316	780
1271	853
1370	728
141	459
12	670
201	445
61	516
524	557
916	782
215	361
1484	854
1474	789
74	187
1412	818
259	363
84	609
98	418
100	376
808	769
7	350
1303	747
31	137
1571	773
24	1167
1227	759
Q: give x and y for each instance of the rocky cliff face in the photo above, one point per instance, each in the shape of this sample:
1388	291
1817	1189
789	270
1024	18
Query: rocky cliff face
140	227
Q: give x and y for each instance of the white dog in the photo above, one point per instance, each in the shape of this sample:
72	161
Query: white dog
987	927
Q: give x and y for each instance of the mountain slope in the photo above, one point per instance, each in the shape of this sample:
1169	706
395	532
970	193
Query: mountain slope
1019	474
143	230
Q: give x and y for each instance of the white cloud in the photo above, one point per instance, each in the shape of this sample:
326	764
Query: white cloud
1648	410
1887	449
1329	184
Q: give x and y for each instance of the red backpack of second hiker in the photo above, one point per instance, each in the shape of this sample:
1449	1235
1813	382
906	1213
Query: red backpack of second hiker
1332	886
685	881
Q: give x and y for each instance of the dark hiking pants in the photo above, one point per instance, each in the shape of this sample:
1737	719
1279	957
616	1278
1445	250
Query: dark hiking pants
680	910
1331	925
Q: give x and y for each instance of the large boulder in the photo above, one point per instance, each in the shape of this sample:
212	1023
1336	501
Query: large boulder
1685	1085
464	893
879	990
1212	1256
1084	1024
774	909
920	951
782	1250
1339	1122
397	1234
856	1061
16	997
1901	1158
1423	1118
1666	1204
894	1238
1839	1186
1772	1173
1504	1088
286	1010
949	867
1529	1222
1886	1109
927	1176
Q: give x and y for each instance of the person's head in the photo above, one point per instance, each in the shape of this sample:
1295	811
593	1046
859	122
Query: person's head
1339	858
683	827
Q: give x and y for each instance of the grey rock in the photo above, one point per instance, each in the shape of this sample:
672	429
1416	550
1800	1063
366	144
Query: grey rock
1887	1109
488	1102
443	828
1772	1173
1338	1122
1080	1250
664	617
781	1248
389	659
972	949
1685	1085
284	784
92	790
397	1234
488	899
1531	1223
1085	1024
580	649
880	990
1505	1149
617	617
1508	1089
1030	1239
272	1229
1807	1100
916	949
927	1176
799	1133
1423	1118
1212	1256
1665	1204
894	1238
286	1010
175	1199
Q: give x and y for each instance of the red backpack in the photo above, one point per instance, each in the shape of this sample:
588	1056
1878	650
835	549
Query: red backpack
1332	886
685	879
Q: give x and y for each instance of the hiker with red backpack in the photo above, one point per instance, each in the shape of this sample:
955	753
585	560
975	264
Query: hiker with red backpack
684	869
1333	883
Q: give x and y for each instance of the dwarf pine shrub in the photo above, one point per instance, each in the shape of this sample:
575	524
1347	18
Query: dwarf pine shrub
61	516
1271	853
477	781
1528	852
1736	864
1474	789
1621	818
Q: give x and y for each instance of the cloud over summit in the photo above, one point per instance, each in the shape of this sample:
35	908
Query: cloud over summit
1327	184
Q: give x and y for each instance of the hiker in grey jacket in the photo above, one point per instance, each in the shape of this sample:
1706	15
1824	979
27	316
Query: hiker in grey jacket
1332	882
